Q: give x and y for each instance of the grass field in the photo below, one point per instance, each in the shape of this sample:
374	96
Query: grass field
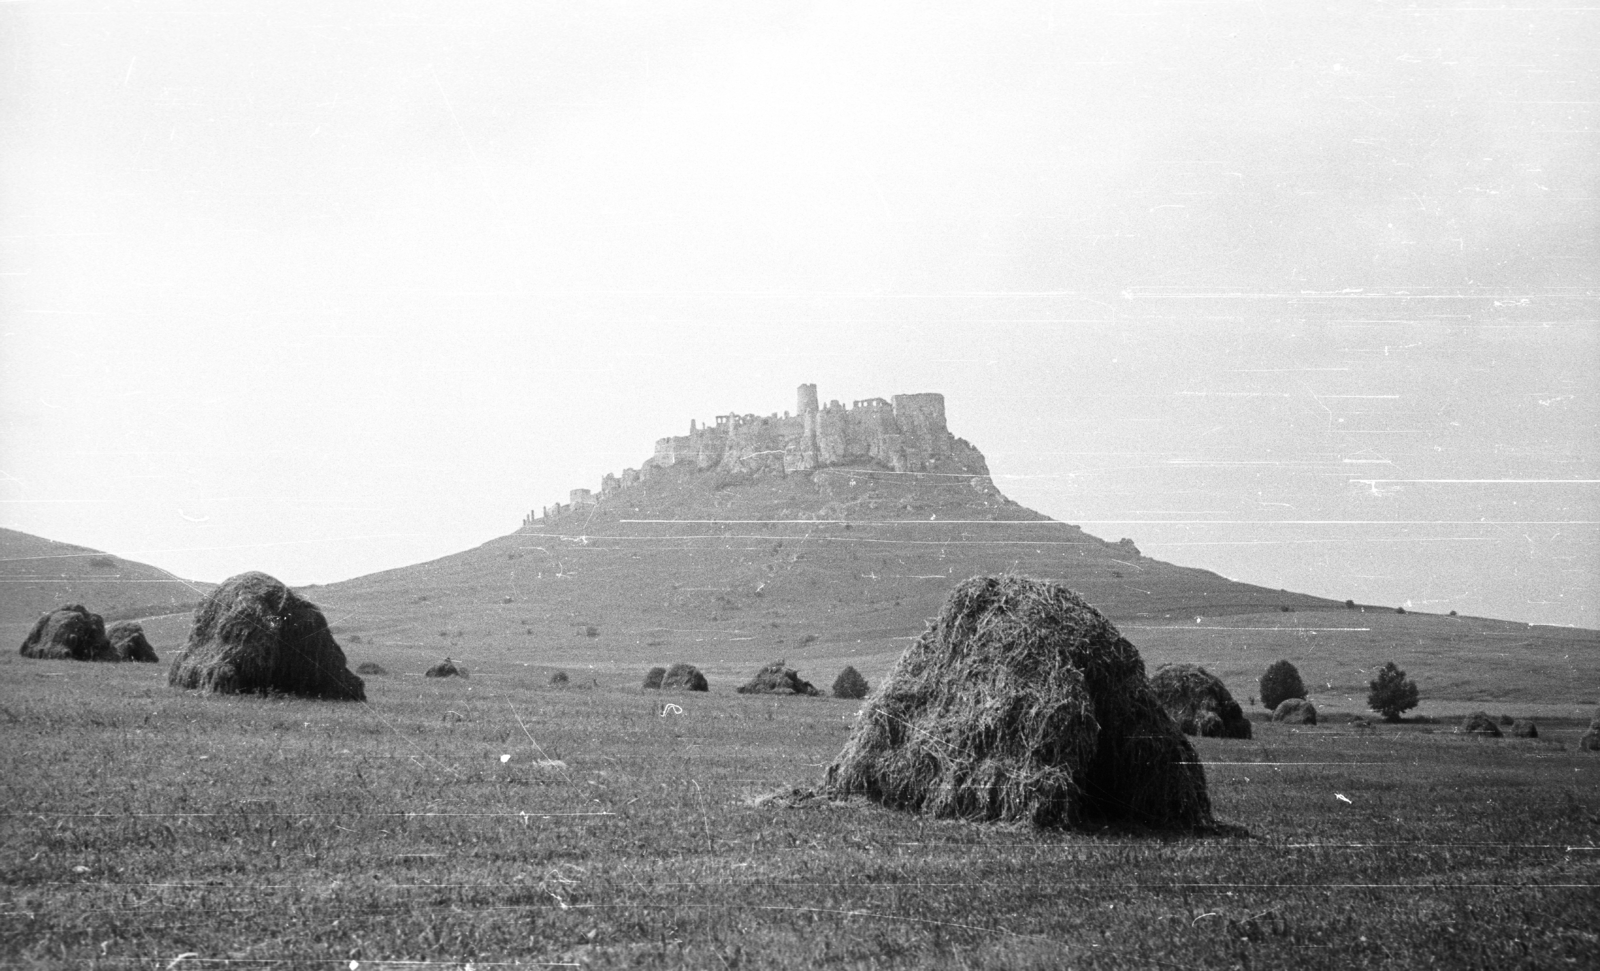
143	825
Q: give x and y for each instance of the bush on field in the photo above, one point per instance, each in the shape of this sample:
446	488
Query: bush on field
850	684
1391	693
1279	683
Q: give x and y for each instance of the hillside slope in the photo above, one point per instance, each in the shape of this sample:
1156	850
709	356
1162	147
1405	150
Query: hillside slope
845	564
38	574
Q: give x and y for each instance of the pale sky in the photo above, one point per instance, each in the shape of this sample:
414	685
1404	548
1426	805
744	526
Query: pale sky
1302	293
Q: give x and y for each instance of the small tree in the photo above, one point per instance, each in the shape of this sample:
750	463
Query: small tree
1279	683
1391	693
849	684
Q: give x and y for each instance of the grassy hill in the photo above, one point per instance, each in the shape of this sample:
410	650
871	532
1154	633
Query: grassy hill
844	565
37	575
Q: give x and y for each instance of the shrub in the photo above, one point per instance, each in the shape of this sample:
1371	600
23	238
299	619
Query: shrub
850	684
1280	682
1391	693
1349	605
1399	610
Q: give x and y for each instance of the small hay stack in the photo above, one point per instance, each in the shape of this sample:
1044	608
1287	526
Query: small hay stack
1295	711
252	634
1022	702
129	644
777	678
446	669
370	667
654	677
684	677
1590	742
69	633
1478	723
1188	692
1524	728
559	679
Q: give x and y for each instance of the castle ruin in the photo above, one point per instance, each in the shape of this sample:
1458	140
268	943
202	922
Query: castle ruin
906	435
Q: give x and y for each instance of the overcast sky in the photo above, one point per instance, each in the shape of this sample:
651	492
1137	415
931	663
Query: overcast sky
1303	293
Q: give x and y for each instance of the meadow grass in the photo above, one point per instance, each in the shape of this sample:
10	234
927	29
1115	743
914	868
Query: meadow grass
143	825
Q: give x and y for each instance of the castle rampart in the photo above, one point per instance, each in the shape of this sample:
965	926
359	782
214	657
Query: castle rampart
907	434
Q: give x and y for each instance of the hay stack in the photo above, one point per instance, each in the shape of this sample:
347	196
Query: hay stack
654	677
559	679
253	634
1189	691
1590	742
446	669
1478	723
1524	728
1295	711
850	684
684	677
1022	702
370	667
777	678
129	644
69	633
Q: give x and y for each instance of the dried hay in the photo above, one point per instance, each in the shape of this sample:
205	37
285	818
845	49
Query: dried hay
1022	702
446	669
1295	711
684	677
370	667
1187	691
654	677
252	634
1524	728
850	684
1478	723
129	644
69	633
777	678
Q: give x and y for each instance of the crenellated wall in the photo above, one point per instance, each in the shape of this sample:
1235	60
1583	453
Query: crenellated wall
907	434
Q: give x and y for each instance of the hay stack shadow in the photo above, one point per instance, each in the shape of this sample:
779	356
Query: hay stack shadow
252	634
1022	702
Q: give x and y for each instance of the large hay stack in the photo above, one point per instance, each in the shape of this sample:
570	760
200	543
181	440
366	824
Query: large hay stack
252	634
1478	723
1199	702
128	642
778	678
1022	702
69	633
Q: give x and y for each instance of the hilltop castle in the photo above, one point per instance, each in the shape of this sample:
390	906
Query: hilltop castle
907	435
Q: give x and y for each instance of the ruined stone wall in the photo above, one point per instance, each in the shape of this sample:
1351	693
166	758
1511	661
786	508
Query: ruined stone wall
907	434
